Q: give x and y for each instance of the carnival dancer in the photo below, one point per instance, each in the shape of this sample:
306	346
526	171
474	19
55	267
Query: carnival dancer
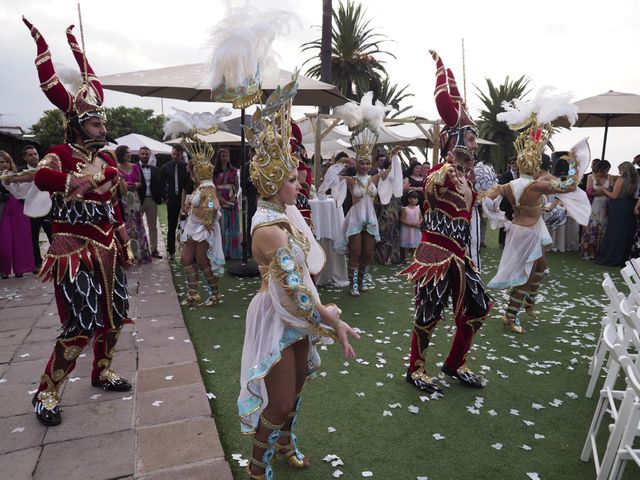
523	263
285	319
361	230
90	248
442	267
201	235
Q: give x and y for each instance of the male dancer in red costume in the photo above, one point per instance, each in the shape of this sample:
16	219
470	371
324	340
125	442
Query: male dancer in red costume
90	248
442	267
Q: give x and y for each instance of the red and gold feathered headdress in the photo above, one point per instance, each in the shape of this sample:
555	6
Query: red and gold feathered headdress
87	101
452	109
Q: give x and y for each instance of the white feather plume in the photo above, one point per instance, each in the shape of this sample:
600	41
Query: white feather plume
547	105
350	113
71	78
178	124
372	113
365	113
182	122
241	43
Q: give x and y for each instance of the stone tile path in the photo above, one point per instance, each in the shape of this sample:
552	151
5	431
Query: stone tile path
163	429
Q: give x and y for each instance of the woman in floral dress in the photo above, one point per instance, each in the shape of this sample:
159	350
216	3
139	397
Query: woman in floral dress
131	174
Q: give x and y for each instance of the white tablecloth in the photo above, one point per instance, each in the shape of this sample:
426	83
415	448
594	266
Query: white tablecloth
566	238
328	221
327	218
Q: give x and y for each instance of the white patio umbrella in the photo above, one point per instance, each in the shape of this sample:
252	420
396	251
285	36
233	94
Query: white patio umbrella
186	82
610	109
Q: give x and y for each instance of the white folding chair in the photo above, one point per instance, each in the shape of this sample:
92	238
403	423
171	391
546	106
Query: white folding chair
609	397
625	430
632	280
635	263
613	313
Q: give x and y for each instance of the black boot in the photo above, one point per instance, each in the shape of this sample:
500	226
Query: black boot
424	382
45	404
465	376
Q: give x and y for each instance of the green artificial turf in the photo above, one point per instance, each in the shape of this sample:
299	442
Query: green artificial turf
531	418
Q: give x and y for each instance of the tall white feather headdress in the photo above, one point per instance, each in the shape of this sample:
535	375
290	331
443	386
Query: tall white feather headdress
241	51
364	120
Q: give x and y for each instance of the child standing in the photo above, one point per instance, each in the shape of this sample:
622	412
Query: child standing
409	222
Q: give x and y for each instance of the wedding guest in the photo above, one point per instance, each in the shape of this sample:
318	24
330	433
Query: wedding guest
15	229
620	229
225	178
131	175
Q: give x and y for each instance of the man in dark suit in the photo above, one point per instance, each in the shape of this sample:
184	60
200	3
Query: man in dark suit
378	164
150	193
31	158
505	205
175	180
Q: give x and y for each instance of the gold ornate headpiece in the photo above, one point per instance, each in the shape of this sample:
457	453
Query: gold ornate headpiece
270	135
201	154
535	119
363	143
530	143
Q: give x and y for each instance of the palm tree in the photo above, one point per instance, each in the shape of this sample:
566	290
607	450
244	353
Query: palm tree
490	128
390	95
355	68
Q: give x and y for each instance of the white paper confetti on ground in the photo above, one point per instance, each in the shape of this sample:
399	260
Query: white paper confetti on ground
497	446
331	429
525	447
414	409
533	475
211	396
18	430
157	403
337	473
127	398
438	436
387	413
367	474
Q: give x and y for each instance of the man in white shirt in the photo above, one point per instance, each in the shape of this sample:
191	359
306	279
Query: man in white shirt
31	158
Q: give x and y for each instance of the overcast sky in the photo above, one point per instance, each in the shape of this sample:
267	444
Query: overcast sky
587	47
